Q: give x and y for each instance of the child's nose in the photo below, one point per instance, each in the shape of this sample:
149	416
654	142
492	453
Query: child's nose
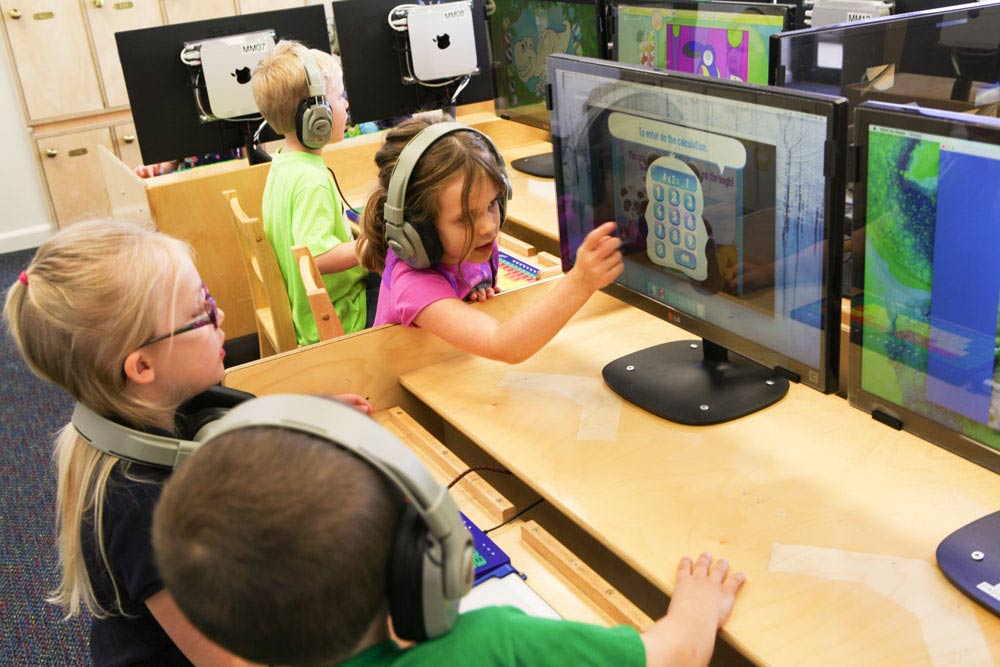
220	316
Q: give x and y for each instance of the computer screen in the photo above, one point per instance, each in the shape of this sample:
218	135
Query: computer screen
727	197
523	33
944	59
161	88
924	334
721	40
378	62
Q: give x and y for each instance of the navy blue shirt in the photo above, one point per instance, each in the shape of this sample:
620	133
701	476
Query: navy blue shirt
135	638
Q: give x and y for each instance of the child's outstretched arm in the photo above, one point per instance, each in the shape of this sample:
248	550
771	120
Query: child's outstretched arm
702	601
598	262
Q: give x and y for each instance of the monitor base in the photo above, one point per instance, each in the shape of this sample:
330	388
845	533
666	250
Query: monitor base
970	558
541	165
694	383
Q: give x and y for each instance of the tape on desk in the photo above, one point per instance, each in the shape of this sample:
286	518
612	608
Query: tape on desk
599	408
951	632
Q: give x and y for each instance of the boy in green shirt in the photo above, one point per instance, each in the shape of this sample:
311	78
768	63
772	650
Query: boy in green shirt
300	92
292	544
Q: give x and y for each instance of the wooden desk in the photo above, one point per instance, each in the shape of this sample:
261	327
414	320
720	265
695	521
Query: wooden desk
833	517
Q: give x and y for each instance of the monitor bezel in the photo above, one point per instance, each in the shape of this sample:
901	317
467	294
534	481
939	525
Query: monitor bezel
776	73
146	50
787	10
928	121
528	119
823	377
372	75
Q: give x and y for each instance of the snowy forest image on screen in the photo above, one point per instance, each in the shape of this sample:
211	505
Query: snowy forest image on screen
930	322
758	202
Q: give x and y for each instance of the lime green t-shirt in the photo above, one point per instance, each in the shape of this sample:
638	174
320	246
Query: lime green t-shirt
301	206
507	637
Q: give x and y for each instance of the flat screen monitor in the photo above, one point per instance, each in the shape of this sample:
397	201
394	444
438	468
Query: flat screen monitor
729	199
523	33
924	334
943	59
161	88
377	63
721	40
909	6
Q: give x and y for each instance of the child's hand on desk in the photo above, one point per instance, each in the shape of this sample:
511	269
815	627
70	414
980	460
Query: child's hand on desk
705	590
480	294
598	261
359	403
150	170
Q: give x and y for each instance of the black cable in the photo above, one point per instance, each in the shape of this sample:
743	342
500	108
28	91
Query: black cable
477	468
341	193
516	516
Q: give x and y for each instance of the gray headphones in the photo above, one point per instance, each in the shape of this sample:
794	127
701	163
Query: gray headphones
431	562
417	242
313	118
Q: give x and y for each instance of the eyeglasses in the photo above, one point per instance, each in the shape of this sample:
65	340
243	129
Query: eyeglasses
211	317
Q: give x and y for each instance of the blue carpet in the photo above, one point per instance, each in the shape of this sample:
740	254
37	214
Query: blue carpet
32	632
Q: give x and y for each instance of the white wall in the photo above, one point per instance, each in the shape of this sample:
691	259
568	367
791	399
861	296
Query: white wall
25	217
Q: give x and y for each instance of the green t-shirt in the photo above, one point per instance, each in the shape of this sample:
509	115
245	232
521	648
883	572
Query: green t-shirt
507	637
301	206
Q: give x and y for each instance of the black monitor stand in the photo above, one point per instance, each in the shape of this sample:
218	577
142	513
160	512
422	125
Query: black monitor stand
694	383
541	165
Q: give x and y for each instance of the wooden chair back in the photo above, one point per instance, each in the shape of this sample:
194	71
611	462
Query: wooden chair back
327	322
273	314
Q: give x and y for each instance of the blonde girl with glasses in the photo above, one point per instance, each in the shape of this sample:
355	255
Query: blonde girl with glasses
119	318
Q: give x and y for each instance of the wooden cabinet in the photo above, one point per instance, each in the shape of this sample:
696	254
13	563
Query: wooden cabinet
182	11
52	58
106	17
73	172
126	144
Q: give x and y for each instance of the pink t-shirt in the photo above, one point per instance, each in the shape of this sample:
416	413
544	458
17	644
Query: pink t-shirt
406	291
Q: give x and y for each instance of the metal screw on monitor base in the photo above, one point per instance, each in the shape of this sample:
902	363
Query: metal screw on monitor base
693	346
977	556
703	408
769	383
630	368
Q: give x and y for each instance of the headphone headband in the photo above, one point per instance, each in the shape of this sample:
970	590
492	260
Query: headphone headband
314	78
313	118
130	444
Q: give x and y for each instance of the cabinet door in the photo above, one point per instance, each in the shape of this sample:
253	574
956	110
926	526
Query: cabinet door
127	144
107	17
73	171
251	6
182	11
52	57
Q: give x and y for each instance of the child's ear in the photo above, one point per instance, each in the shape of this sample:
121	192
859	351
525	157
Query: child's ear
138	367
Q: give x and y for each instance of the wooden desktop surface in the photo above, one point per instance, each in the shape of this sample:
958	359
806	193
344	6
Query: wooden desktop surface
834	517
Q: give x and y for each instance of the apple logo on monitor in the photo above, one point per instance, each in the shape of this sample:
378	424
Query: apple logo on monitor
443	41
242	75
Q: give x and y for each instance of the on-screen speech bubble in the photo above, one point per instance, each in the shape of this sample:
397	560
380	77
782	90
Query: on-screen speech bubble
715	148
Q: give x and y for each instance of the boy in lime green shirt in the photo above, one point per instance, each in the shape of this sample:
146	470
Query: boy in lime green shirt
300	92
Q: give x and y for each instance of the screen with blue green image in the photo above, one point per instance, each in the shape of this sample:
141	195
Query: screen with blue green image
931	291
523	33
722	40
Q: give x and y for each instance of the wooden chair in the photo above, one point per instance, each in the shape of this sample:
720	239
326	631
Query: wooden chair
275	330
327	322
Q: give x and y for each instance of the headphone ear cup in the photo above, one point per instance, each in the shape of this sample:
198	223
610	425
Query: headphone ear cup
314	123
405	576
413	244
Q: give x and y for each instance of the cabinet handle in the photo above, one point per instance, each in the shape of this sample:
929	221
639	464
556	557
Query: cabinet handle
98	3
128	138
15	14
51	152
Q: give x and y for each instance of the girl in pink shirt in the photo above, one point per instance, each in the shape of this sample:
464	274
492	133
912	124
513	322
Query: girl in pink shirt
430	228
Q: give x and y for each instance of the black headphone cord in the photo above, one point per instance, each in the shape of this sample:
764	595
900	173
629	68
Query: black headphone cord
341	193
455	481
516	516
